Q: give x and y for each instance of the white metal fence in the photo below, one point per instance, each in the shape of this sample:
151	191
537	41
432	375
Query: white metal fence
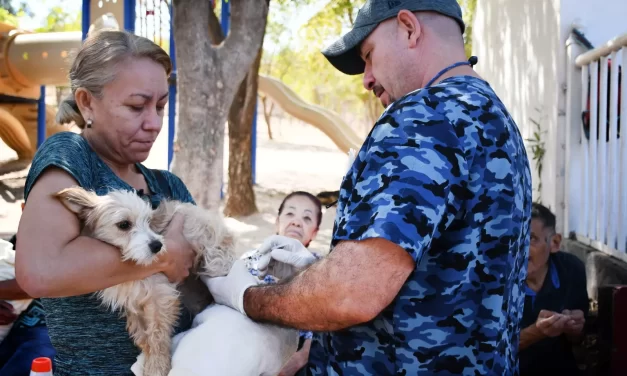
596	149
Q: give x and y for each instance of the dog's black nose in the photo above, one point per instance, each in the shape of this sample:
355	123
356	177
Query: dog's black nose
155	246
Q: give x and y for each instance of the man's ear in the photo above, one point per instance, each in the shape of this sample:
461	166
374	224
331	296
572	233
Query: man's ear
409	27
77	200
556	243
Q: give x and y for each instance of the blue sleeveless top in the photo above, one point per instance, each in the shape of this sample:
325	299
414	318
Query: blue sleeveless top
89	339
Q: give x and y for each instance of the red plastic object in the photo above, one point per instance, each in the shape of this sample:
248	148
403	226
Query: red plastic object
42	365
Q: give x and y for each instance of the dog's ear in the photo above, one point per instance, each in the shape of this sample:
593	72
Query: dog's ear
162	216
77	200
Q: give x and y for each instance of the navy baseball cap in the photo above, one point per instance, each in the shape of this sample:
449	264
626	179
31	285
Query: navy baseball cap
344	53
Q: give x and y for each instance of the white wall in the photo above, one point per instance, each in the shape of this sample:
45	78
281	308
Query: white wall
521	51
517	43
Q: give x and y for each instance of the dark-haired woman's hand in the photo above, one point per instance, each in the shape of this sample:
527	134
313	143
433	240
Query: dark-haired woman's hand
7	314
179	256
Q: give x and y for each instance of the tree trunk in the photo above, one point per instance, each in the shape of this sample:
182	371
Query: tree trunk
240	195
208	77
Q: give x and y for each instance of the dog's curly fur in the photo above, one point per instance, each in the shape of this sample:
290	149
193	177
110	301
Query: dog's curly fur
152	305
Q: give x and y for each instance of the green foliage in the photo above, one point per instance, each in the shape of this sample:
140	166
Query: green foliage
538	151
10	14
60	20
7	7
292	54
8	17
468	9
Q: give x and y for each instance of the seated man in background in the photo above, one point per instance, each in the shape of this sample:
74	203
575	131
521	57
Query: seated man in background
556	302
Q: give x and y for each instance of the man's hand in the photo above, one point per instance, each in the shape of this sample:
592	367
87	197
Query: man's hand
300	259
550	323
575	325
229	290
283	256
7	315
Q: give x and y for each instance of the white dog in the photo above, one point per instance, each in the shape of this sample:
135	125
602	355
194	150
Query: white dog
152	306
221	341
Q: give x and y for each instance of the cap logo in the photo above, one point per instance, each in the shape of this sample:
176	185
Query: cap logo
393	4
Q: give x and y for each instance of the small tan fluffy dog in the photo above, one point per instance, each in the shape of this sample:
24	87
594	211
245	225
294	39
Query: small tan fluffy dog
151	306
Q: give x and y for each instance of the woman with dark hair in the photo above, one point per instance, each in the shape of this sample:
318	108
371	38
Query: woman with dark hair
299	218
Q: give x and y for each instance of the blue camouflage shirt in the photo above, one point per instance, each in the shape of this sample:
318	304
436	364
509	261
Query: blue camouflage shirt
445	175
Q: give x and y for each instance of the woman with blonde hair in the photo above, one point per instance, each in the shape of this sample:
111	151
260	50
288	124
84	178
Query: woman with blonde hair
119	85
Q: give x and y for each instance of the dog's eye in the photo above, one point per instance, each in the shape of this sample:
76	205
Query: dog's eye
124	225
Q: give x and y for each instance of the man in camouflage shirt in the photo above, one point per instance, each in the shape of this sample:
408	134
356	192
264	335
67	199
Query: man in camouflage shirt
431	238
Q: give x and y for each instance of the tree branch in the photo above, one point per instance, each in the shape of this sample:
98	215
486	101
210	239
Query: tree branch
349	12
248	23
191	12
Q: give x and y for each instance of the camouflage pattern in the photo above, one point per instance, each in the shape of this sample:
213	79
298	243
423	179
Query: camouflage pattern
444	174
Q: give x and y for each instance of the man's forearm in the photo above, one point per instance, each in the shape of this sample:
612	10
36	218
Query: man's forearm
529	336
10	290
350	286
309	301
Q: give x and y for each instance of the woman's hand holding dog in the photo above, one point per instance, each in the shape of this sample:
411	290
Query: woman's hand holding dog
7	314
179	258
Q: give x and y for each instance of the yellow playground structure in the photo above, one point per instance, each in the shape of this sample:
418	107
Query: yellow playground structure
28	61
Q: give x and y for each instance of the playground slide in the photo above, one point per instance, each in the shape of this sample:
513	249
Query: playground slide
327	121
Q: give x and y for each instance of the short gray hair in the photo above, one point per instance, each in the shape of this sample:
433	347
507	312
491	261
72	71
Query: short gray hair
96	65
